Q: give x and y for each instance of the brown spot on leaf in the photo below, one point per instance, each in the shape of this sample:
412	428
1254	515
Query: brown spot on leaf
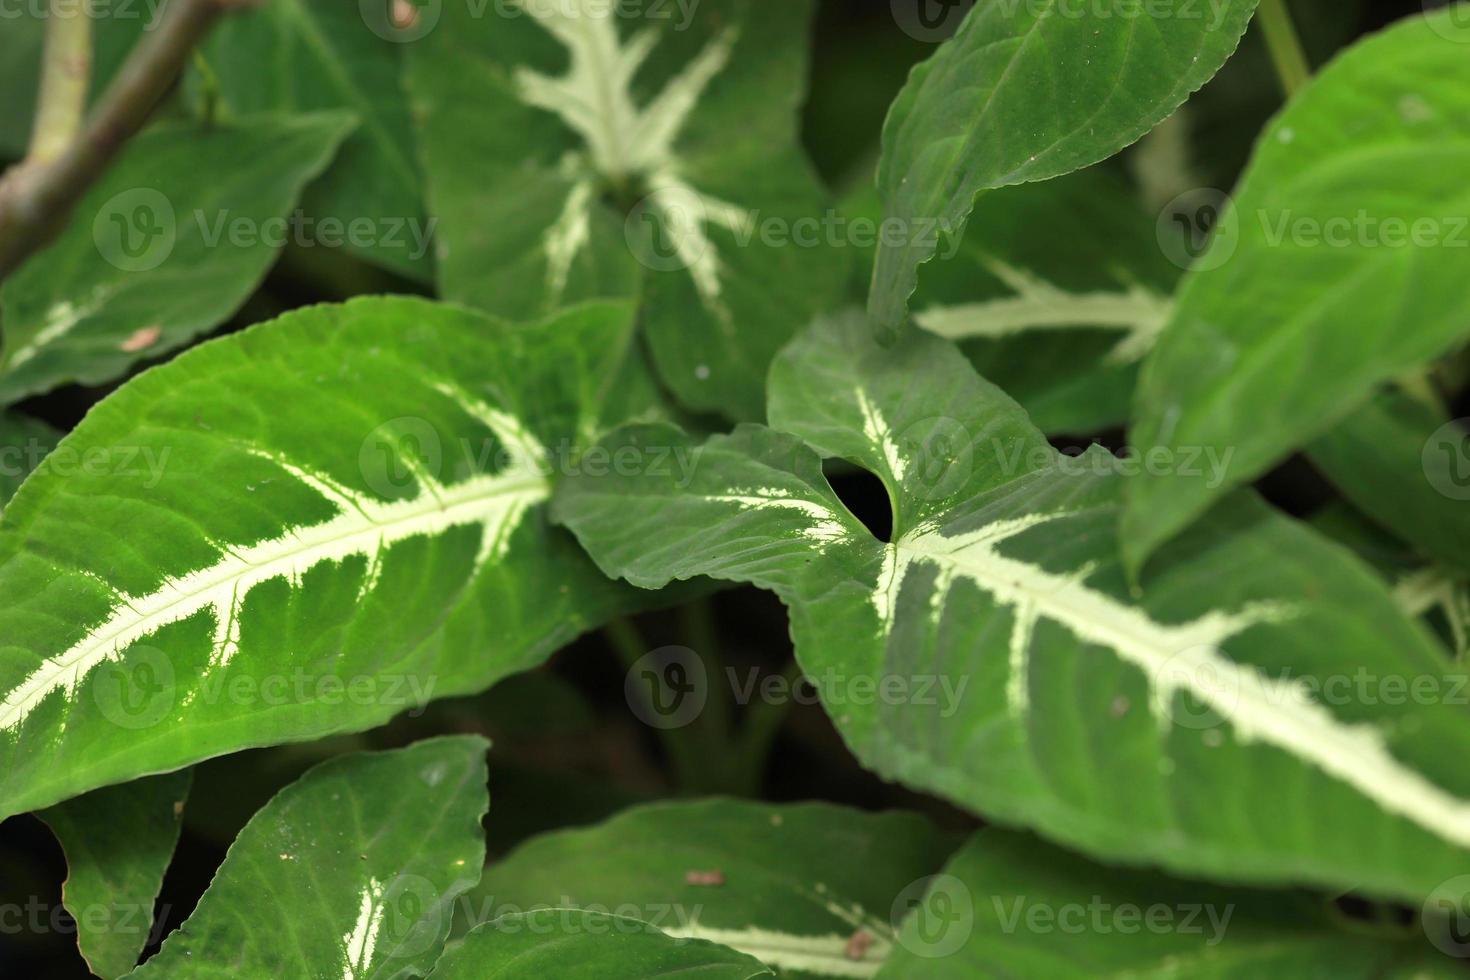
141	339
704	879
858	945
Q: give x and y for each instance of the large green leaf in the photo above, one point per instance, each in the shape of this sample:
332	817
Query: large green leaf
325	55
1340	265
298	530
1404	464
1011	906
167	245
581	150
810	889
575	944
993	651
1026	92
118	842
351	872
24	443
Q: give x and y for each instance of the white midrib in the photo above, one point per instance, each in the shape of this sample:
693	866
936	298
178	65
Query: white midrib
1259	708
353	532
822	955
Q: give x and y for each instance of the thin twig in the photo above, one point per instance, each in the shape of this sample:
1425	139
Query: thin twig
37	197
66	74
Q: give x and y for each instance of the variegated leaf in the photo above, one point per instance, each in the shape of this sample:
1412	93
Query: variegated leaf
1010	906
1211	724
1029	91
302	529
581	150
812	890
351	872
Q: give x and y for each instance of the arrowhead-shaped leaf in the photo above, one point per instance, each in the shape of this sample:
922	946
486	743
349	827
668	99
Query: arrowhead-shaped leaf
328	56
118	843
576	944
351	872
574	151
1010	906
1340	265
167	245
1026	92
812	890
301	529
993	652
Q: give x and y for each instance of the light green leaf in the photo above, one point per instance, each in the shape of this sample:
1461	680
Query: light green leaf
1025	92
577	151
118	843
575	944
300	530
790	885
325	56
1404	464
166	246
1210	724
24	442
1340	265
350	872
1010	906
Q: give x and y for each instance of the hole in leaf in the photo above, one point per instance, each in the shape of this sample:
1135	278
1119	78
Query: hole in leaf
863	494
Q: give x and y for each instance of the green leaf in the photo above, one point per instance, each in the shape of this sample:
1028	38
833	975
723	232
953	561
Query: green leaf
573	153
300	530
1404	464
574	944
326	56
790	885
1055	293
1335	269
1026	92
118	843
350	872
166	246
1010	906
24	442
993	652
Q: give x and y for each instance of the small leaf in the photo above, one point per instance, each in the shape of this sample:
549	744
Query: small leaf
172	239
328	56
1010	906
300	530
1406	465
576	944
790	885
351	872
1340	265
1210	724
118	842
1025	92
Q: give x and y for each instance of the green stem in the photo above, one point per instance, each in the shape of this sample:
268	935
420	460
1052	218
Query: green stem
763	721
682	752
1292	67
66	75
